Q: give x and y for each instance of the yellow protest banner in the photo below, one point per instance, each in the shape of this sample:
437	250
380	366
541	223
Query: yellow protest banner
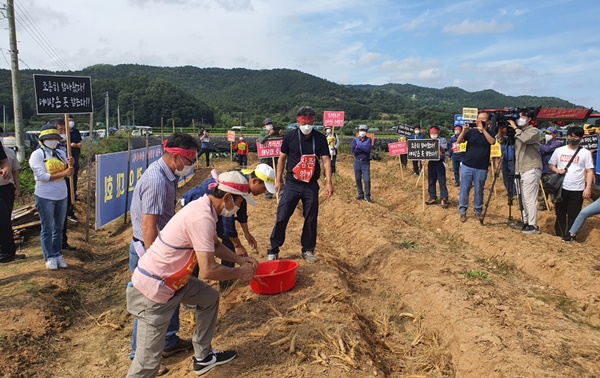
495	150
469	114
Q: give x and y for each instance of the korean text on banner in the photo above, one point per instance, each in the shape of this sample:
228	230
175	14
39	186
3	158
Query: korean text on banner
469	114
111	181
271	148
405	130
57	94
423	149
334	119
397	148
231	135
495	150
458	120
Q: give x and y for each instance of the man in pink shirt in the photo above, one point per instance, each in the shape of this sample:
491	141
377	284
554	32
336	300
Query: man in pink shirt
163	278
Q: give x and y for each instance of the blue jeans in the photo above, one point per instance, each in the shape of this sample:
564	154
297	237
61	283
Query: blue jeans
456	161
584	214
171	338
52	216
437	173
471	177
362	172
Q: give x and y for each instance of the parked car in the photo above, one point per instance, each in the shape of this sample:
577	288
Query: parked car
238	128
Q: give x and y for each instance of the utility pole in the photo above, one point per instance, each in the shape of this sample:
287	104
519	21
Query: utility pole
133	115
14	67
106	108
118	118
4	117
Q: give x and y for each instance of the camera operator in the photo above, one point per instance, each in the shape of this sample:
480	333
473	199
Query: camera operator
475	164
528	166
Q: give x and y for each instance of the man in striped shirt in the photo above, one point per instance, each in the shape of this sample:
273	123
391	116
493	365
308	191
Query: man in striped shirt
152	206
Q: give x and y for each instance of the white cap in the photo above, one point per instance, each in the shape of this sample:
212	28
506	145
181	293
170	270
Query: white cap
265	173
235	183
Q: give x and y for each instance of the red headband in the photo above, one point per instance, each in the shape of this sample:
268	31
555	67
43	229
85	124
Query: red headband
244	188
306	119
188	154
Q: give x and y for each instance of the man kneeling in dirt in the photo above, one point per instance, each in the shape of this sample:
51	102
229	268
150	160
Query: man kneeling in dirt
163	277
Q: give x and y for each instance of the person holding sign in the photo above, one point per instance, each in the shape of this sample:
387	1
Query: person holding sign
9	190
334	143
528	168
76	142
456	155
437	171
361	148
205	146
269	132
417	165
50	166
301	154
476	162
242	152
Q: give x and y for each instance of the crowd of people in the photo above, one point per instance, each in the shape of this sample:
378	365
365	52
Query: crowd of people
173	253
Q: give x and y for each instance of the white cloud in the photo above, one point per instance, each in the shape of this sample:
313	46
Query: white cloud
368	59
413	69
477	27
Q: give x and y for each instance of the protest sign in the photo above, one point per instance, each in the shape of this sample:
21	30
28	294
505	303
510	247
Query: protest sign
333	119
423	149
495	150
271	148
469	114
590	142
57	94
397	148
231	135
405	130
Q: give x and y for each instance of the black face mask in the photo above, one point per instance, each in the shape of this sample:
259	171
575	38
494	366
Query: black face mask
573	142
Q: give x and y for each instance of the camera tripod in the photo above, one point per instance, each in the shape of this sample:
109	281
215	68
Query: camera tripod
515	180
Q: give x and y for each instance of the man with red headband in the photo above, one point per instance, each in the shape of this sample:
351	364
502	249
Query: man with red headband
163	278
302	151
152	206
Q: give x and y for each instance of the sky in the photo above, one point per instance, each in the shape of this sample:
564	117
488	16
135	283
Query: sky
535	47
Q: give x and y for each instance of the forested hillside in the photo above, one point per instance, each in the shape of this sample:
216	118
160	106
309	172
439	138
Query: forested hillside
217	96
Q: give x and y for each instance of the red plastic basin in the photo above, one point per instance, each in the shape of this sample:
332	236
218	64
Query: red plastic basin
274	277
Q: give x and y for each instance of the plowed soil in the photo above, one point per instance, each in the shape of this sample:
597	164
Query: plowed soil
399	291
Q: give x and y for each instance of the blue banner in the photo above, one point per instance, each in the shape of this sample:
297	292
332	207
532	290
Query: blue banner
111	183
458	120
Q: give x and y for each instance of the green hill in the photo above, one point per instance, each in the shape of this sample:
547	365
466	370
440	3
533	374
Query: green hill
221	96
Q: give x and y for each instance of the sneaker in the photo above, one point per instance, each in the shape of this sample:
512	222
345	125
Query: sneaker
72	219
61	262
272	256
52	264
478	216
531	230
180	346
68	247
214	358
431	201
457	184
463	217
309	256
360	198
569	238
369	200
415	174
444	204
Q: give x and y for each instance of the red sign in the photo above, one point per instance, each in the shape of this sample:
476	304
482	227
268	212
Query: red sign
271	148
561	114
305	169
230	135
334	119
397	148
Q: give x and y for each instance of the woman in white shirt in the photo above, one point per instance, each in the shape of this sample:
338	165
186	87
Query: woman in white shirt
50	166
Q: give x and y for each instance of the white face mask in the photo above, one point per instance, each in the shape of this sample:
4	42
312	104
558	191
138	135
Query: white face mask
51	144
362	134
229	213
456	132
186	169
434	136
328	131
71	124
269	127
63	136
306	129
548	137
241	139
417	132
521	122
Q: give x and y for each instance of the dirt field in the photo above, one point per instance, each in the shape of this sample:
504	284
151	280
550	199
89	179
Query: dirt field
398	292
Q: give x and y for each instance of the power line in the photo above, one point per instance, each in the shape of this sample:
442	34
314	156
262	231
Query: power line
41	33
4	56
44	46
